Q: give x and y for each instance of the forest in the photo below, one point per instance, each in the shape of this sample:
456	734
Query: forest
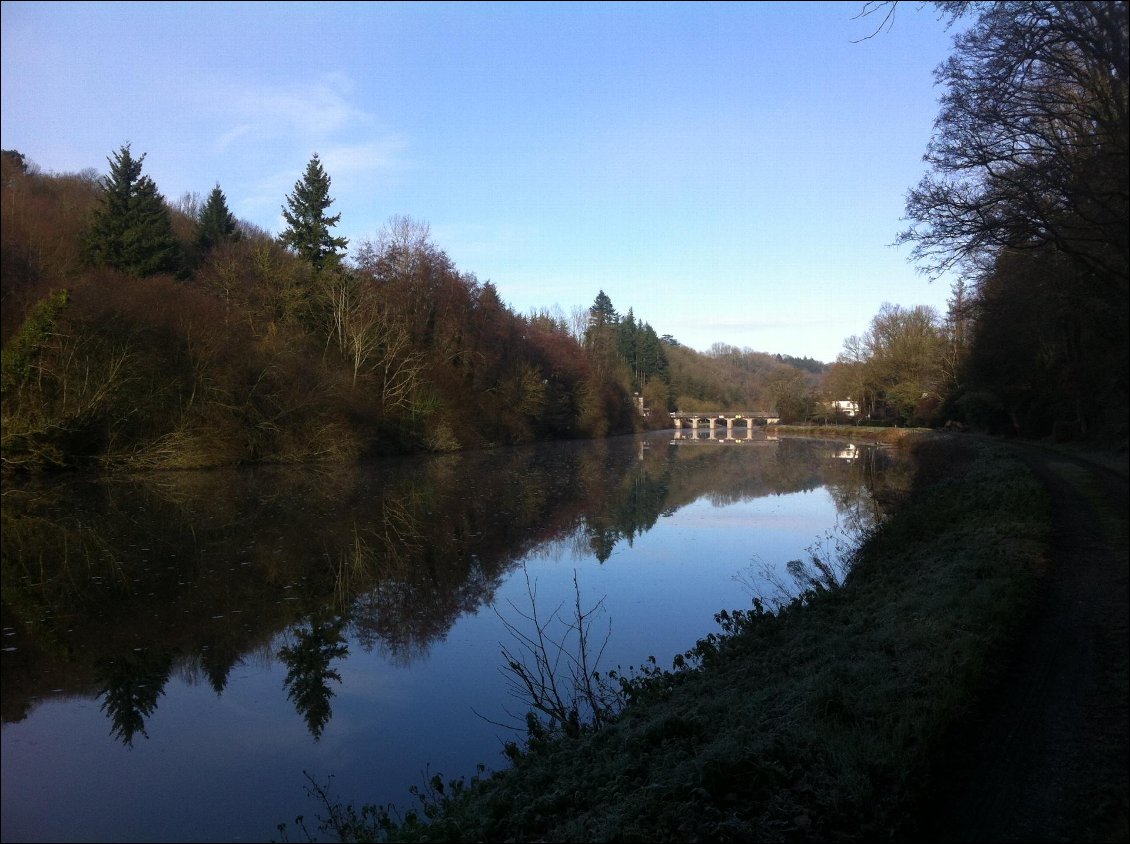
140	333
1025	202
143	333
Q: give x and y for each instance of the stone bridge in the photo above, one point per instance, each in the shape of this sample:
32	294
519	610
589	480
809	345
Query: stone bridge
749	418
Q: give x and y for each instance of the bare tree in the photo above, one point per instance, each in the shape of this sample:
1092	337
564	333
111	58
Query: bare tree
189	204
369	337
579	322
1030	146
398	249
1028	196
553	668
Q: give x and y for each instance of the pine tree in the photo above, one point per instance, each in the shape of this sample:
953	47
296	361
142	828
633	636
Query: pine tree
308	226
132	230
216	224
602	313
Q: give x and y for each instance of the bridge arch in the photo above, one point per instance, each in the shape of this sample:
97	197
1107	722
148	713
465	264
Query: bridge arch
750	420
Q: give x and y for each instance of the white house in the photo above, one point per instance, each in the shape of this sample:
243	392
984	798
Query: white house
845	406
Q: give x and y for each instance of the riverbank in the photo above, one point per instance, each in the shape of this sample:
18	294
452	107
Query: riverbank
865	433
833	719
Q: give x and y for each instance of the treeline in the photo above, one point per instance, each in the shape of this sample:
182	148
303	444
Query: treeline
140	334
148	334
728	378
665	375
900	370
1036	109
1027	199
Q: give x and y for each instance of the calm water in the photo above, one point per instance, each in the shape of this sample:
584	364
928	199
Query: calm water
181	650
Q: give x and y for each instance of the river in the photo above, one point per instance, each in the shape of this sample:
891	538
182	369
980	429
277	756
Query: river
184	652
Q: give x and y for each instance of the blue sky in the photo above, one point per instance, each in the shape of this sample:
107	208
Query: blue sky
733	172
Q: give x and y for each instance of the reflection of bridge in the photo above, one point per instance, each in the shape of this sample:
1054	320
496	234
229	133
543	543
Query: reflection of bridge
750	417
711	417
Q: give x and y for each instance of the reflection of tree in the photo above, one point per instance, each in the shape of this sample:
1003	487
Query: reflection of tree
631	507
406	610
866	488
217	662
602	541
308	671
402	553
131	686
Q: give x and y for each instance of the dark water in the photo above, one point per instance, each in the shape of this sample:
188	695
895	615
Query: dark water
179	650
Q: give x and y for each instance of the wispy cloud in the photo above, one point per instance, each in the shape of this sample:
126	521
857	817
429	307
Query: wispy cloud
233	135
355	160
312	112
317	110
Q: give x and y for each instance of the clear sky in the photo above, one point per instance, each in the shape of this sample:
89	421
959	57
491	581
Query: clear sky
733	172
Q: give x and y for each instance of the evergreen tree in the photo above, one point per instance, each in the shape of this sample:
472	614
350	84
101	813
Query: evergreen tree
215	225
132	231
627	339
308	226
600	336
602	312
653	360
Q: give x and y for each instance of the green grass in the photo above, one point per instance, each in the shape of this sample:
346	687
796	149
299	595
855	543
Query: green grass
863	433
821	722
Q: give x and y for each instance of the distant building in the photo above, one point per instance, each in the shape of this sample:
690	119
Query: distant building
844	407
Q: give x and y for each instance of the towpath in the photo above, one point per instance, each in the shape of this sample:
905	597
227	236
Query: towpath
1047	756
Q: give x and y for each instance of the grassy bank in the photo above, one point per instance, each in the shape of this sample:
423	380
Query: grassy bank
861	433
825	721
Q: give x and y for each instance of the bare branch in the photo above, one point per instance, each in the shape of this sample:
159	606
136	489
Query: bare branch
873	6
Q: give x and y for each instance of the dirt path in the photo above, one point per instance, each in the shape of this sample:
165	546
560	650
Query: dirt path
1047	758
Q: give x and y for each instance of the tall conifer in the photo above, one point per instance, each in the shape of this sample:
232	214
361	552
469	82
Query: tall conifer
215	225
132	230
308	225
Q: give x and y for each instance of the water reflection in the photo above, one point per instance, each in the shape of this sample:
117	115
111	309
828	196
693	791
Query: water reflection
308	670
131	686
113	586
